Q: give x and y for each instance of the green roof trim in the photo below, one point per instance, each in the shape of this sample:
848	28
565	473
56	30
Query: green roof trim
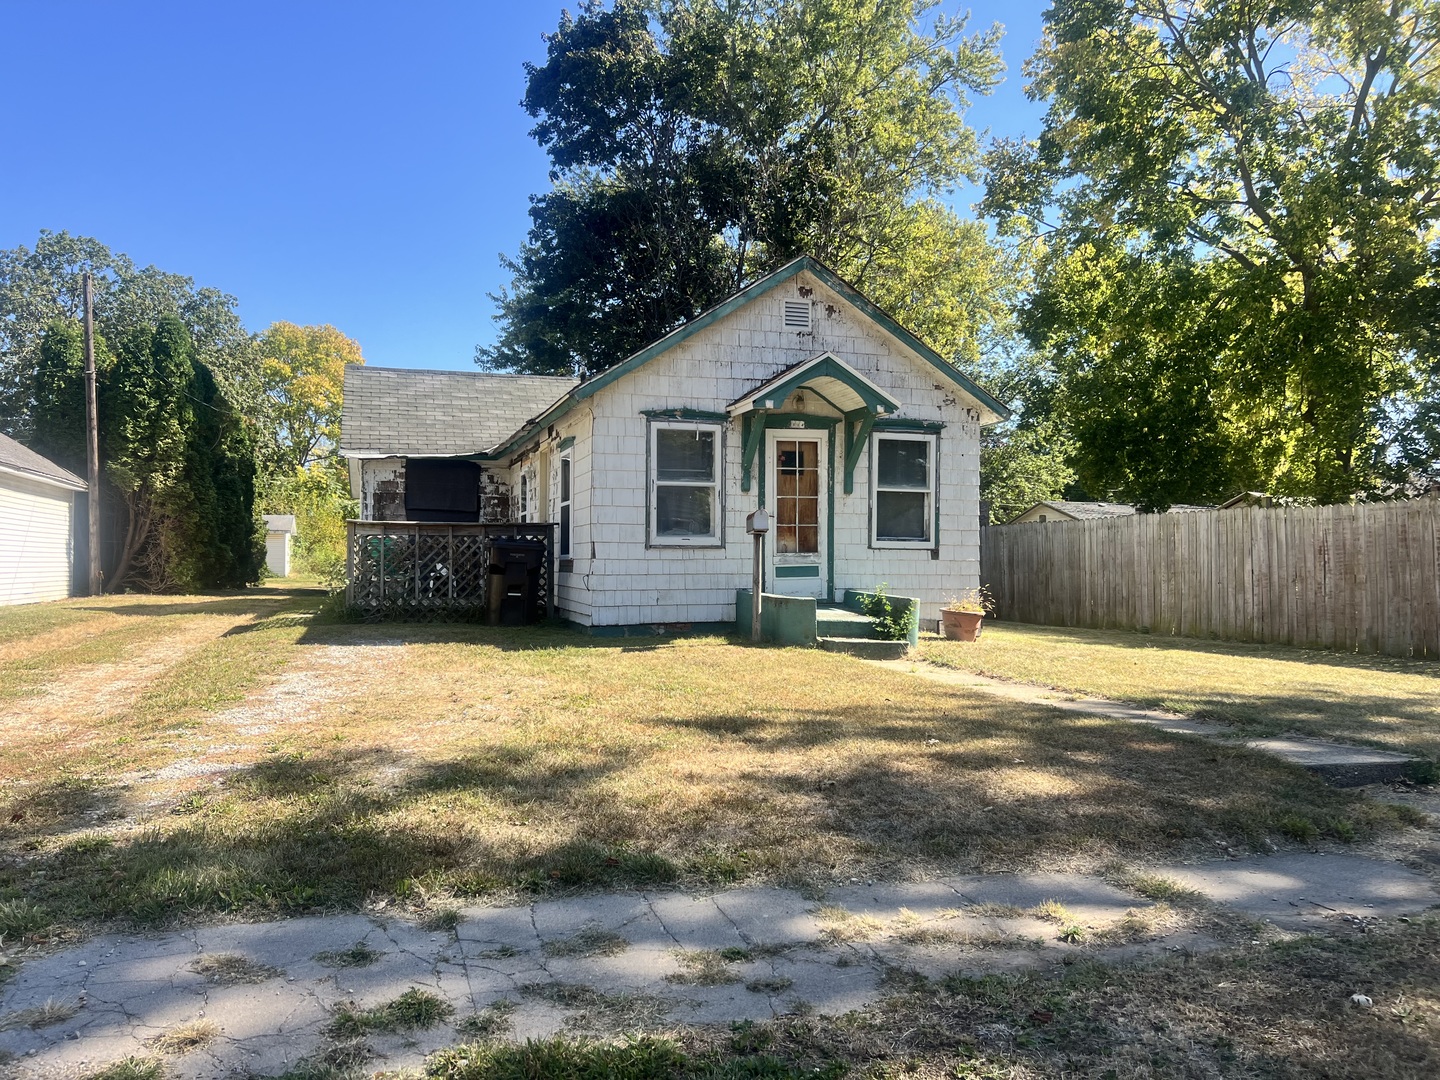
771	281
684	414
829	367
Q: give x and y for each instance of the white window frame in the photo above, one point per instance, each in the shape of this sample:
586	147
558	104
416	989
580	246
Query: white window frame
931	496
524	499
717	504
565	528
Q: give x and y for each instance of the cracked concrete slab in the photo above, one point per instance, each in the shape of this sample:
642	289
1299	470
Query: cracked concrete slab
131	988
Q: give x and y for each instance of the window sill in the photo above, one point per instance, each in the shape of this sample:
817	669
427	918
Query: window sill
681	542
904	545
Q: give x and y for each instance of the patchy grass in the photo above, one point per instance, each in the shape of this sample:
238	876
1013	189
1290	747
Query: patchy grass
183	1038
51	1012
131	1068
357	955
588	941
1263	689
441	919
1251	1013
706	967
232	969
491	1022
413	1010
601	1012
838	926
317	767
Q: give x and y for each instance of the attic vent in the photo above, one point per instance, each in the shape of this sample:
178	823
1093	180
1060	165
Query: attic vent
797	314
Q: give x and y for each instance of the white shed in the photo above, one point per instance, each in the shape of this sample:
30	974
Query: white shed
37	526
278	530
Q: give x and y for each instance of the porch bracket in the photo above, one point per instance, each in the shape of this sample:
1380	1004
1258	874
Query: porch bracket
857	430
754	431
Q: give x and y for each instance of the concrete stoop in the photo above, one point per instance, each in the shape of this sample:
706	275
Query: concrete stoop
865	648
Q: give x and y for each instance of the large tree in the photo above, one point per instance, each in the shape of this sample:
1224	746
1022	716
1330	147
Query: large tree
303	372
178	460
1239	204
697	144
41	285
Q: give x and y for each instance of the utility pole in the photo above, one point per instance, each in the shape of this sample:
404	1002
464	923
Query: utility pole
92	439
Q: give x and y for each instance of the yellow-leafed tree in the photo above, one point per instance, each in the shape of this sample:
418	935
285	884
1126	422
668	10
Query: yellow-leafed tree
303	368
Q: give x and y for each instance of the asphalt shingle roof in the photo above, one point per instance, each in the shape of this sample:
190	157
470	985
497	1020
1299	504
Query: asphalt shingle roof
1085	511
21	458
407	411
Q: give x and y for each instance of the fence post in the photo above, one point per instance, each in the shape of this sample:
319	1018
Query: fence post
350	564
550	570
417	566
450	561
382	567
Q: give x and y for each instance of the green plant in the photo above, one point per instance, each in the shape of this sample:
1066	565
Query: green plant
411	1010
978	601
889	624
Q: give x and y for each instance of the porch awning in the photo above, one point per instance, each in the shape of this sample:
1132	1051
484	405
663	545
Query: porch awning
858	401
827	377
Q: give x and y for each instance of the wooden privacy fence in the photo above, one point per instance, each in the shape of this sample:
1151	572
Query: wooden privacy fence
1356	578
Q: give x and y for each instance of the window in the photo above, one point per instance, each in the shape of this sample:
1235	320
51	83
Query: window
565	506
524	496
902	487
684	484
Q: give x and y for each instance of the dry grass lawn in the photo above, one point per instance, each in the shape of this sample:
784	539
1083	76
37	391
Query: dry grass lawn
169	757
1265	689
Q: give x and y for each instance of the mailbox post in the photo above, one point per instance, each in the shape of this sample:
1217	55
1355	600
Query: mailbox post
757	524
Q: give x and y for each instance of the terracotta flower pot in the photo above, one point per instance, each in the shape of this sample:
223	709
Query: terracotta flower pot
961	625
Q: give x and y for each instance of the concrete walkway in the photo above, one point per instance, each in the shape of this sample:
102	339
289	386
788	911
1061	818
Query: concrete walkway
1342	764
261	997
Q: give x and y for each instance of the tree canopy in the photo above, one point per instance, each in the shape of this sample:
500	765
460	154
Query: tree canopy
41	285
302	369
697	144
178	462
1238	207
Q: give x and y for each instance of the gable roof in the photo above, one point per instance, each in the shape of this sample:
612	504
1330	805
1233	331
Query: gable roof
805	263
1089	511
18	458
848	390
418	413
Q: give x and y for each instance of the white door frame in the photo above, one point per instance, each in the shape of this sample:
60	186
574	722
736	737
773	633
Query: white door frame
818	584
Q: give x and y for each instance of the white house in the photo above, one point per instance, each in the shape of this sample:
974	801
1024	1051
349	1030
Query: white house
37	526
796	393
1061	510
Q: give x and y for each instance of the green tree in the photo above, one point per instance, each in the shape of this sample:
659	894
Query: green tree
698	144
1239	206
303	371
178	462
41	285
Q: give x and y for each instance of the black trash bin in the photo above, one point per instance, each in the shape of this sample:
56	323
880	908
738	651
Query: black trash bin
515	566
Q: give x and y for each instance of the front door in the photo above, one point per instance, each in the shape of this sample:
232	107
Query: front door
797	497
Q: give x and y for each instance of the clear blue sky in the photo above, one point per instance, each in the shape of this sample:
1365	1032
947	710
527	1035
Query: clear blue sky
361	164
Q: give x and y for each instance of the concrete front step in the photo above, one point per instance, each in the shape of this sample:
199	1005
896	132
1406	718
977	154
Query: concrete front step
865	648
838	622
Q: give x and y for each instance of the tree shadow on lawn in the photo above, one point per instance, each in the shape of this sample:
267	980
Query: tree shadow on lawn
1028	789
230	602
1292	654
535	637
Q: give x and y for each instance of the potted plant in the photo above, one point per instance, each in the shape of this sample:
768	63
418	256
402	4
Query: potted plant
962	615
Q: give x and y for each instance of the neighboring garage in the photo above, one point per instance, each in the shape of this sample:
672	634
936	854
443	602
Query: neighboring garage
37	526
